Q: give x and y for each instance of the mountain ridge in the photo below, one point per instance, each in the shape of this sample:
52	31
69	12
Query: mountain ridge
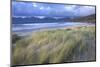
25	20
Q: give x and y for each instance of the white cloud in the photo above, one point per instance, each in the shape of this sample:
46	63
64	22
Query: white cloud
58	17
34	4
41	17
70	7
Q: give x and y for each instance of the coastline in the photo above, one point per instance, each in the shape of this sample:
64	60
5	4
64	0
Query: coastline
28	32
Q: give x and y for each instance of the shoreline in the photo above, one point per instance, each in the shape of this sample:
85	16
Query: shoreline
25	33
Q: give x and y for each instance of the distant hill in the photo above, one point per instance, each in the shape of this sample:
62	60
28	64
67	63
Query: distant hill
24	20
90	18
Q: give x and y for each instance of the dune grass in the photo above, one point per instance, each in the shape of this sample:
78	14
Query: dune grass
56	46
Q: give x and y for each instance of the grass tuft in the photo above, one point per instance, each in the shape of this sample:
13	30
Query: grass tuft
56	46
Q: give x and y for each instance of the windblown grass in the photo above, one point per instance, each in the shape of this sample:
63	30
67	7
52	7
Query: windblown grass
56	46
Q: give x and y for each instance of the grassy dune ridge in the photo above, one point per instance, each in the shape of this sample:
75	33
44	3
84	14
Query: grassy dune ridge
56	46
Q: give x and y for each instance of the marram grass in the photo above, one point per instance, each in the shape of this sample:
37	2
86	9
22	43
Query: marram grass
56	46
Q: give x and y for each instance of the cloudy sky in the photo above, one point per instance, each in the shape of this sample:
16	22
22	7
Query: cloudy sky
50	10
